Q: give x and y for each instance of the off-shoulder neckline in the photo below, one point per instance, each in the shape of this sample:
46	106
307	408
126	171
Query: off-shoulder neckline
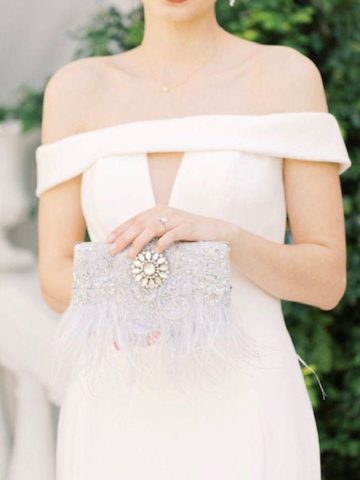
180	119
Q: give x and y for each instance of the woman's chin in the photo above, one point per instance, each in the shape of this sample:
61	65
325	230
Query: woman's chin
176	2
178	9
174	9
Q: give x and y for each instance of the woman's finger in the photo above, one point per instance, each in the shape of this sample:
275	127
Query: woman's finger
150	339
155	230
180	232
142	217
136	219
124	239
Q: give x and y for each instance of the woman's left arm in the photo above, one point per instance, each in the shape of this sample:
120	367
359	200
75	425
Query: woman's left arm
312	269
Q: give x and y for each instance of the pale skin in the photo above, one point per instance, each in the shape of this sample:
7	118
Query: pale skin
244	78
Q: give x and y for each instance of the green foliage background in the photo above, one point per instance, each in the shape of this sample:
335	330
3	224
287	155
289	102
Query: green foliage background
328	32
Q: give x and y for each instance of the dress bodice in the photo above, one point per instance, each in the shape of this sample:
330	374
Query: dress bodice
231	169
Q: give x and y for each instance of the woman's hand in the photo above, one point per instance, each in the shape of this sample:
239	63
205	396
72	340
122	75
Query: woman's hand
181	225
145	226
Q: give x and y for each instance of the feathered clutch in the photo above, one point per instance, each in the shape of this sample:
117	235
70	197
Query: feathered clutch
165	315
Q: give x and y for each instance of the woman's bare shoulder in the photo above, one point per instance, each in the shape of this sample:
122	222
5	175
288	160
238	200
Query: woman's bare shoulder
288	80
277	78
68	95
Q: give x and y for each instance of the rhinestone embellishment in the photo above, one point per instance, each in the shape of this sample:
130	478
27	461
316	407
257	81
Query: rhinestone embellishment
149	268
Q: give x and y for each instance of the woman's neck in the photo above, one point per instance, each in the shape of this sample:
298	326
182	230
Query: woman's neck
180	44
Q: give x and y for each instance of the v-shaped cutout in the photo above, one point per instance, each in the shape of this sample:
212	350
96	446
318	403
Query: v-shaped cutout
178	174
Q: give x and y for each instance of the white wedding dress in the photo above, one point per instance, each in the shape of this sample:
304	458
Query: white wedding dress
259	425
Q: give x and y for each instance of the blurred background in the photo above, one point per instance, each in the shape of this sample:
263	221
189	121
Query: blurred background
39	36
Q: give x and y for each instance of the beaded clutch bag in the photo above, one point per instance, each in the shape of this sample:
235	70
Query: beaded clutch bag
168	313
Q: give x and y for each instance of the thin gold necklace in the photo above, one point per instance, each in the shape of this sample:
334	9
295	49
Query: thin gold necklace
166	87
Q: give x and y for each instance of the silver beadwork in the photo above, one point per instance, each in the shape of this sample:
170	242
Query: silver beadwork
197	269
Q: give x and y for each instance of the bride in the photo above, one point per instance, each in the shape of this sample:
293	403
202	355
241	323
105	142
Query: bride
202	144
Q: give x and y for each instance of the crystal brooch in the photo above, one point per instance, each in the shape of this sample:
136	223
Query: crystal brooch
150	268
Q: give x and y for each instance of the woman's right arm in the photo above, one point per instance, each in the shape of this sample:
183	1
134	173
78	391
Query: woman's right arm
60	219
60	225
